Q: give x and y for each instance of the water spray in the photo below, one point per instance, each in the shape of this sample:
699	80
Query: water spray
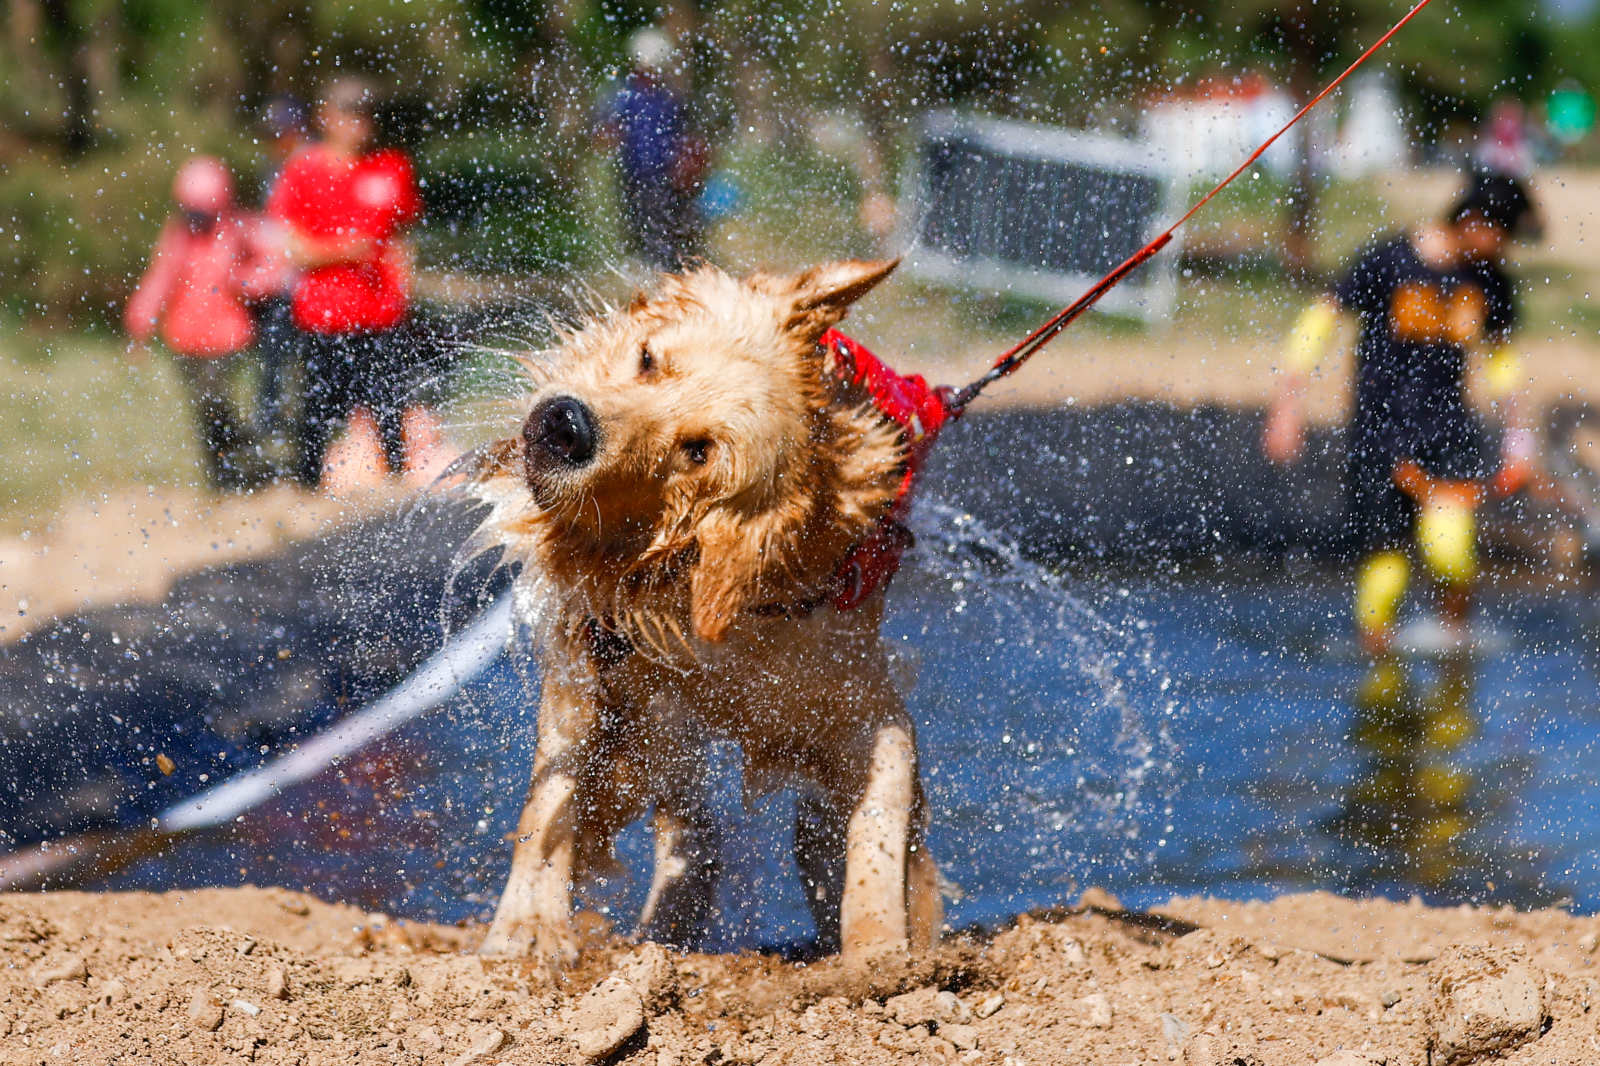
956	400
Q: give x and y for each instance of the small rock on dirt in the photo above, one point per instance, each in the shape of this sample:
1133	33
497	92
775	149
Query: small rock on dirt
427	1040
277	983
651	973
990	1006
1483	1001
964	1037
205	1013
607	1018
1095	1010
484	1043
927	1004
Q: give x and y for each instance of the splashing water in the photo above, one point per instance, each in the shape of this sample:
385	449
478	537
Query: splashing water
1071	760
1058	770
1154	736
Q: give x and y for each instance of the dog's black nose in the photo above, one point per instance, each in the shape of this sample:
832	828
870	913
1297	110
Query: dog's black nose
563	429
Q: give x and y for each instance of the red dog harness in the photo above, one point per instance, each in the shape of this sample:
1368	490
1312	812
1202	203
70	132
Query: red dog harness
921	411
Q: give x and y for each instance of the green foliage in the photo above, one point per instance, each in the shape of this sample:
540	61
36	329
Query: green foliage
103	98
796	191
75	233
495	205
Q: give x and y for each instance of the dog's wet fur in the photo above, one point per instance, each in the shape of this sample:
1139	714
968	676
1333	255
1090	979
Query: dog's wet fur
690	475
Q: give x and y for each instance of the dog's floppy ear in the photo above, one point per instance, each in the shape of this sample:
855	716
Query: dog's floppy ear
824	293
721	584
734	553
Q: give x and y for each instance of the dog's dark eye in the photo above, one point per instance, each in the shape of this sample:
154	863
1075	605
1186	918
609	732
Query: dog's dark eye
698	451
647	361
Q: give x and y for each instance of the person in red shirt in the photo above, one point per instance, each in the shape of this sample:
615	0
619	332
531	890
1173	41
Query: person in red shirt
201	271
344	205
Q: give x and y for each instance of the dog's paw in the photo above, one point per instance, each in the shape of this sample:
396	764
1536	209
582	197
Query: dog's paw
556	947
502	943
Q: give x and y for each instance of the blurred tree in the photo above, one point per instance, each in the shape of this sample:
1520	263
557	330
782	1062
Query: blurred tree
1457	56
1450	62
101	96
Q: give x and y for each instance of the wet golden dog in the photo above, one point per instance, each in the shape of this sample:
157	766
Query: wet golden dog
688	479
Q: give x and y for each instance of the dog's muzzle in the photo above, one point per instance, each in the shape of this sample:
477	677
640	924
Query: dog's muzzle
561	431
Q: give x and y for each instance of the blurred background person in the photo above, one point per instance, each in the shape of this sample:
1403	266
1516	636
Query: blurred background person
661	163
1417	459
193	297
345	204
1504	144
277	338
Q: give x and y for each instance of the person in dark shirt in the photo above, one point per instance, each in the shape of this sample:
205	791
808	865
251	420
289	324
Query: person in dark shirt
1417	455
660	162
278	342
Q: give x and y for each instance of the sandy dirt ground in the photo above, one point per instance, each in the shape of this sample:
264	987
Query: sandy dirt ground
269	976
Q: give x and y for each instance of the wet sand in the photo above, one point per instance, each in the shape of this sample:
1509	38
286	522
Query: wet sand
269	976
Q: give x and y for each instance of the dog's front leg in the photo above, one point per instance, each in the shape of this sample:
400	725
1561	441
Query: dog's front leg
535	910
872	912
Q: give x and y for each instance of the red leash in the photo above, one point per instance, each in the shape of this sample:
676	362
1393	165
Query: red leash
956	400
922	411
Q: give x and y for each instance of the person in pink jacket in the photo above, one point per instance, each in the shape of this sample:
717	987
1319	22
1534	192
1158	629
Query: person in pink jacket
206	262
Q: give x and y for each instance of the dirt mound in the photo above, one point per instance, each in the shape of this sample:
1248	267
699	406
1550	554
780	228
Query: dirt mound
270	976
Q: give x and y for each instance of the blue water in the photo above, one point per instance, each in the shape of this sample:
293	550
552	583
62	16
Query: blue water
1152	734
